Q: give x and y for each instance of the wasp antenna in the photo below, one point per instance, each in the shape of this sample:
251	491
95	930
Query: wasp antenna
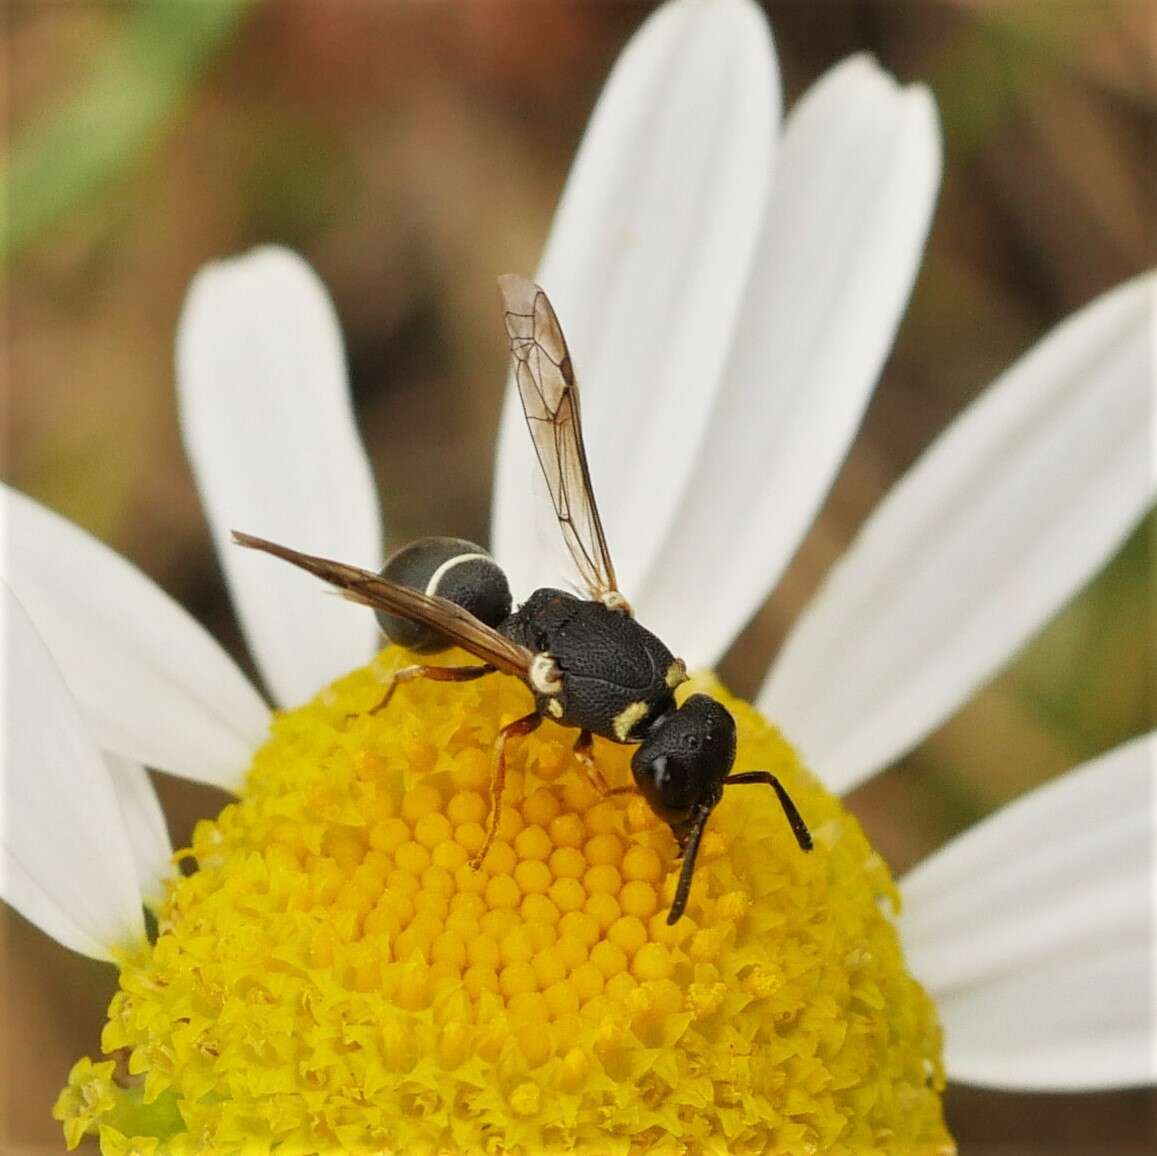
690	852
795	819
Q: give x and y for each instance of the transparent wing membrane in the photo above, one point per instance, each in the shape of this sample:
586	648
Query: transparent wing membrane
550	400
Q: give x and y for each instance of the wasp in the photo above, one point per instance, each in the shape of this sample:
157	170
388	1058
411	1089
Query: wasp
589	664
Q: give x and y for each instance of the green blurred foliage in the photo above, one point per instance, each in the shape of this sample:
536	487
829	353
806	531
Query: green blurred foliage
76	150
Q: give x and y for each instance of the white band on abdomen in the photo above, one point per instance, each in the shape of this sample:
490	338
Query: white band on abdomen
448	565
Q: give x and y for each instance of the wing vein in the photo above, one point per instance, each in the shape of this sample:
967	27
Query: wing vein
550	400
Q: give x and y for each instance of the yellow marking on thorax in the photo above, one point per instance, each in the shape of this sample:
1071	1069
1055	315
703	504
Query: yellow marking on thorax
627	718
676	673
613	600
554	708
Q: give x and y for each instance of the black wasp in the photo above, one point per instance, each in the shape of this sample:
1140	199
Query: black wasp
589	664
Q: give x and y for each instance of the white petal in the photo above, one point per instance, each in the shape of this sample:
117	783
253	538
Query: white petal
145	825
855	184
267	423
1034	932
646	266
1065	1027
1006	516
151	683
66	863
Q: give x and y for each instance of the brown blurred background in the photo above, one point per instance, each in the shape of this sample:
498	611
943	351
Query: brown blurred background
412	152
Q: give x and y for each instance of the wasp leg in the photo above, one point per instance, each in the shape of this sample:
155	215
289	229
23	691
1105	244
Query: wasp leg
798	826
435	673
583	746
689	839
518	728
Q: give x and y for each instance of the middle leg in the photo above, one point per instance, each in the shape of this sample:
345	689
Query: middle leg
518	728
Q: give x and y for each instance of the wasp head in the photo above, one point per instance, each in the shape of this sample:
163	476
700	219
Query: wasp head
681	765
680	768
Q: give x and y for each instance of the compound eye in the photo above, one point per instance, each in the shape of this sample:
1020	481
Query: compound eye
677	782
661	774
667	783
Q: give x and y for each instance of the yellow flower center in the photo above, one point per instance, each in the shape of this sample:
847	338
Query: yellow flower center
335	977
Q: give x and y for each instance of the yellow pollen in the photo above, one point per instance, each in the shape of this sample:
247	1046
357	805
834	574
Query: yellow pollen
334	977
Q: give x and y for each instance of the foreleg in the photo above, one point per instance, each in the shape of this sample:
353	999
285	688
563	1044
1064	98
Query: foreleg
583	751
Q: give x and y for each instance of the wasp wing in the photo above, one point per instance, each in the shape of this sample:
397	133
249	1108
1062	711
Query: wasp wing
368	589
550	400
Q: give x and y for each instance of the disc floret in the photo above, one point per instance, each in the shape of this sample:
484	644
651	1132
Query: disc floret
334	976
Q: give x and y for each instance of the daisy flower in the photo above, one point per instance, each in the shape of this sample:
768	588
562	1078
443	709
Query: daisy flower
333	976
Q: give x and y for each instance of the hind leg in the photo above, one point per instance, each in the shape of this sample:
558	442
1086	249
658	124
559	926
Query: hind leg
435	674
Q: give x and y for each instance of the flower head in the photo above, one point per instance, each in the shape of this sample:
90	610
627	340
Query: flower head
313	979
336	976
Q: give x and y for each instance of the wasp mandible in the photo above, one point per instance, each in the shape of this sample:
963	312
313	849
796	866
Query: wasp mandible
587	662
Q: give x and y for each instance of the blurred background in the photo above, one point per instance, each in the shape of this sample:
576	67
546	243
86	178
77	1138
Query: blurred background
412	152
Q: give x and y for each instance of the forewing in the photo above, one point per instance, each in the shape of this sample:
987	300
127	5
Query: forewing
368	589
550	400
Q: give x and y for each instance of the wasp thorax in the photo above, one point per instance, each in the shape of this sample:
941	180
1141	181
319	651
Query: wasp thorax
454	569
686	757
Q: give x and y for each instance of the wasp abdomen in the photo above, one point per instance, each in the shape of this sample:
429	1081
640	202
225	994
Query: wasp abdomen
454	569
